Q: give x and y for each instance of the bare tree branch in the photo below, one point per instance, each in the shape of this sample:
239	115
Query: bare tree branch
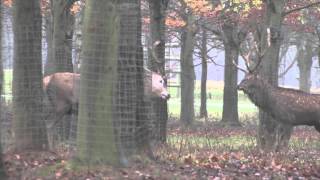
288	68
214	62
210	60
300	8
240	68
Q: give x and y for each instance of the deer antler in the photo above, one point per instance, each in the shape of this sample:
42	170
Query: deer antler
147	70
240	68
156	59
246	59
261	54
153	52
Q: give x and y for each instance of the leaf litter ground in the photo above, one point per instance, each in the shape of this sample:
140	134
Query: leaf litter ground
205	151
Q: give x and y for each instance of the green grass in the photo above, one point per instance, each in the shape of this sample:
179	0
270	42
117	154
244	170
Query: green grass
231	142
214	101
214	107
234	142
301	143
7	82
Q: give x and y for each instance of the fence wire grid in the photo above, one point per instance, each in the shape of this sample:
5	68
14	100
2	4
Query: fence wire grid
132	109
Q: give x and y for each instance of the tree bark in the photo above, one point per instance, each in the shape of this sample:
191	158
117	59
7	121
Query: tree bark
62	30
132	119
204	72
272	136
230	95
28	125
157	26
187	72
304	52
96	139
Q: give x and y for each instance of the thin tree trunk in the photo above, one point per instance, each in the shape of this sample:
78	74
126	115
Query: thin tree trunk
304	64
204	71
28	125
157	26
272	135
318	48
49	39
77	40
96	139
62	30
304	80
230	95
187	72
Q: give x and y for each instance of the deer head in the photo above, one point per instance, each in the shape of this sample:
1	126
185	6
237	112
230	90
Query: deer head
159	86
251	80
155	84
157	76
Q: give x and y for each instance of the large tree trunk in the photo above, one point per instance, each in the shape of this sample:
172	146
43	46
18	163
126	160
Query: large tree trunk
2	168
230	95
96	139
204	72
157	26
62	30
304	53
272	135
28	125
187	72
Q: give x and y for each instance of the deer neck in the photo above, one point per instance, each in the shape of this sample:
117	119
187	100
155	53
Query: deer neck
262	96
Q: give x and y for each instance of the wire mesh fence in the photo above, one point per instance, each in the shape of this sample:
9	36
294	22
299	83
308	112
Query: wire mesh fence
107	104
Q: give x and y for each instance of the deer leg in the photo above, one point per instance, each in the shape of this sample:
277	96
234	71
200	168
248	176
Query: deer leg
72	124
62	108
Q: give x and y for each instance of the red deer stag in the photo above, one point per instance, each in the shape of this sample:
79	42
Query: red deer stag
62	91
289	106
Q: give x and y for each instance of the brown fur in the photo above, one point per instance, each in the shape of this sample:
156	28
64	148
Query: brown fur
287	105
62	91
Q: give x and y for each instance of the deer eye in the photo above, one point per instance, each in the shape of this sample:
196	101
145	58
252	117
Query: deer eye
161	81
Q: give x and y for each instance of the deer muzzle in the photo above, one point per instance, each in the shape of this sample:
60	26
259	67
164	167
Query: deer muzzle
165	96
240	88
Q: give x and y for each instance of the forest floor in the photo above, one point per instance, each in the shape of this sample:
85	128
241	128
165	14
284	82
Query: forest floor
205	151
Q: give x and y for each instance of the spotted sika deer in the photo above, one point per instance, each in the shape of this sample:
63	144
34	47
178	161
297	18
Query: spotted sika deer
289	106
